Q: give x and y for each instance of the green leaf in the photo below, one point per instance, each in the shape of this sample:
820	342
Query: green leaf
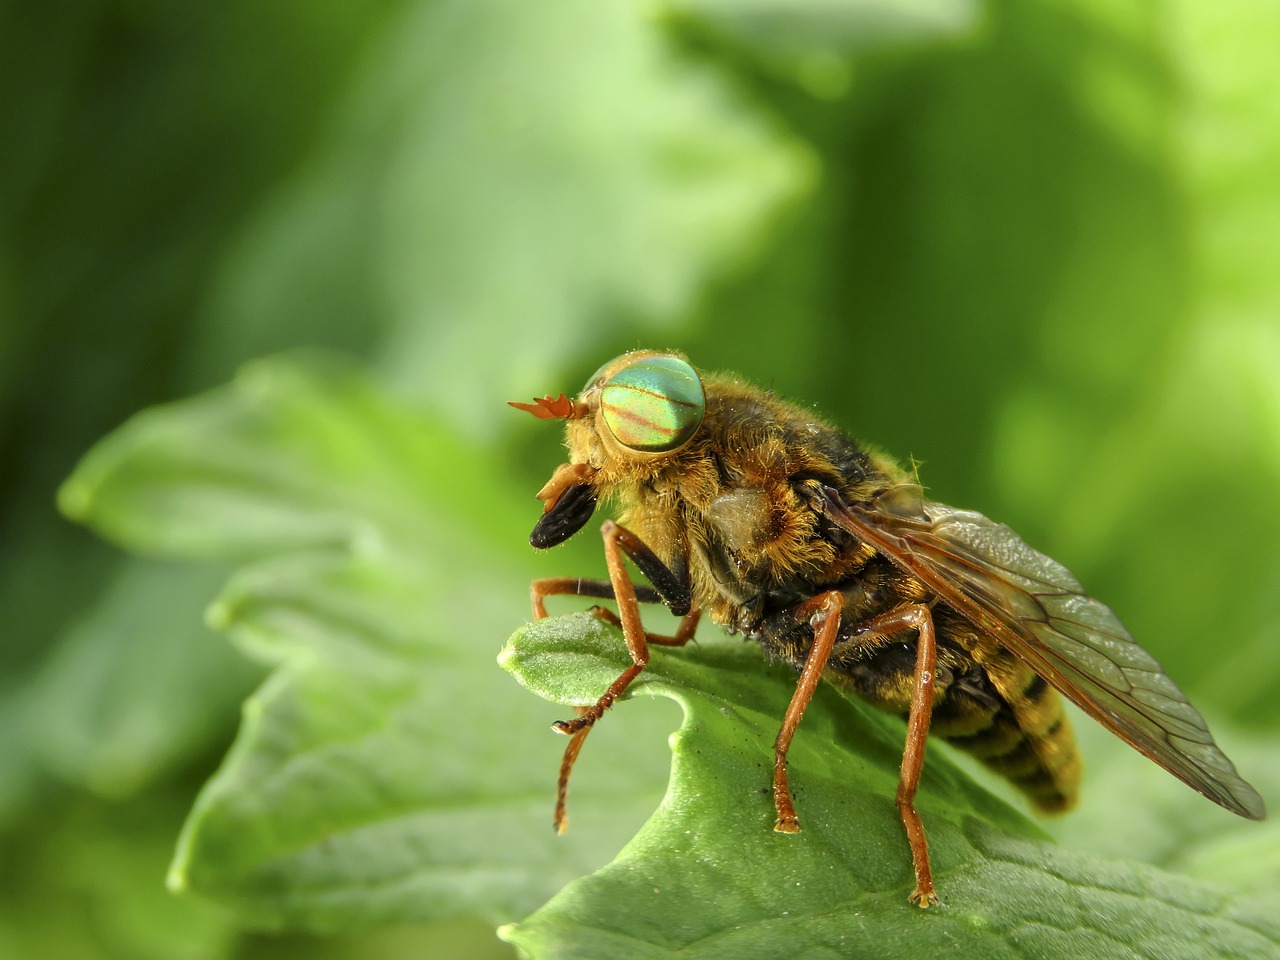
383	772
814	42
82	882
140	686
707	876
846	25
1173	827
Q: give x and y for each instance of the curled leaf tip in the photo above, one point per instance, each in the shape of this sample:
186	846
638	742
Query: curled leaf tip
176	880
74	498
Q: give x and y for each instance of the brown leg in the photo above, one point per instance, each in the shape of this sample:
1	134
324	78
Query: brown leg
684	633
561	820
917	617
633	631
587	716
684	630
825	612
539	590
826	623
628	617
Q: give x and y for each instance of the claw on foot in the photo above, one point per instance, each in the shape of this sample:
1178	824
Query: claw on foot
923	897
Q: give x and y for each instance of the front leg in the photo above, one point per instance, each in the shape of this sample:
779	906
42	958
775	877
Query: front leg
671	586
545	587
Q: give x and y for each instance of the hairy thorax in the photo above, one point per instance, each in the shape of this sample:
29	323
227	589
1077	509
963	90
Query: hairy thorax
752	545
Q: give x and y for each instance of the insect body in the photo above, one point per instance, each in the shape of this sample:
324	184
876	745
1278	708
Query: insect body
781	527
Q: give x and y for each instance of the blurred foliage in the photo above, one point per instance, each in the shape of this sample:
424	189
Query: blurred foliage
1030	244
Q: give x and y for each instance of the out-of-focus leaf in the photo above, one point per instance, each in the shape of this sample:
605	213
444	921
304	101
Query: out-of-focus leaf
20	773
978	227
472	939
850	26
707	877
383	772
506	176
134	139
1167	495
84	885
1130	807
815	42
141	685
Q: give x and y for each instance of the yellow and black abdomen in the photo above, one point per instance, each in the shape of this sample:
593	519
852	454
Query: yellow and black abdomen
986	702
1021	732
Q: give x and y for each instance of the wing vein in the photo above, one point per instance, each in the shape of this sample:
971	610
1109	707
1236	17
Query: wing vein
1034	607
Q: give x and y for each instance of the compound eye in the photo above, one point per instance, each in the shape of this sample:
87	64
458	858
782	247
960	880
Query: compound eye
653	405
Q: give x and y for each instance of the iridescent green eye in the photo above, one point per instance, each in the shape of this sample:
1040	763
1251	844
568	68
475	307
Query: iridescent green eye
654	404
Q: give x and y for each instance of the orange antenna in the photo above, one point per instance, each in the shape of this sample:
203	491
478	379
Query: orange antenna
561	408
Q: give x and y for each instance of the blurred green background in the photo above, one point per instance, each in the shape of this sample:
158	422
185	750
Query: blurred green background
1031	245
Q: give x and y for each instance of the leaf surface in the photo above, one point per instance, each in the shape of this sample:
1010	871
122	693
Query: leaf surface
383	772
708	877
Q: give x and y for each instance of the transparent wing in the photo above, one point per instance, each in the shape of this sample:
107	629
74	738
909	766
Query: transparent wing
1034	607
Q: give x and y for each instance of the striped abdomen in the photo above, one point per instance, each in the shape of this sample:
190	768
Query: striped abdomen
986	701
1024	736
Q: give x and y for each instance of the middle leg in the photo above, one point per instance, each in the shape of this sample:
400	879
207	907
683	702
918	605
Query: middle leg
824	613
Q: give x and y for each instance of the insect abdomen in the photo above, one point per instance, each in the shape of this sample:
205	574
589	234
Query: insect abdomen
986	702
1029	742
